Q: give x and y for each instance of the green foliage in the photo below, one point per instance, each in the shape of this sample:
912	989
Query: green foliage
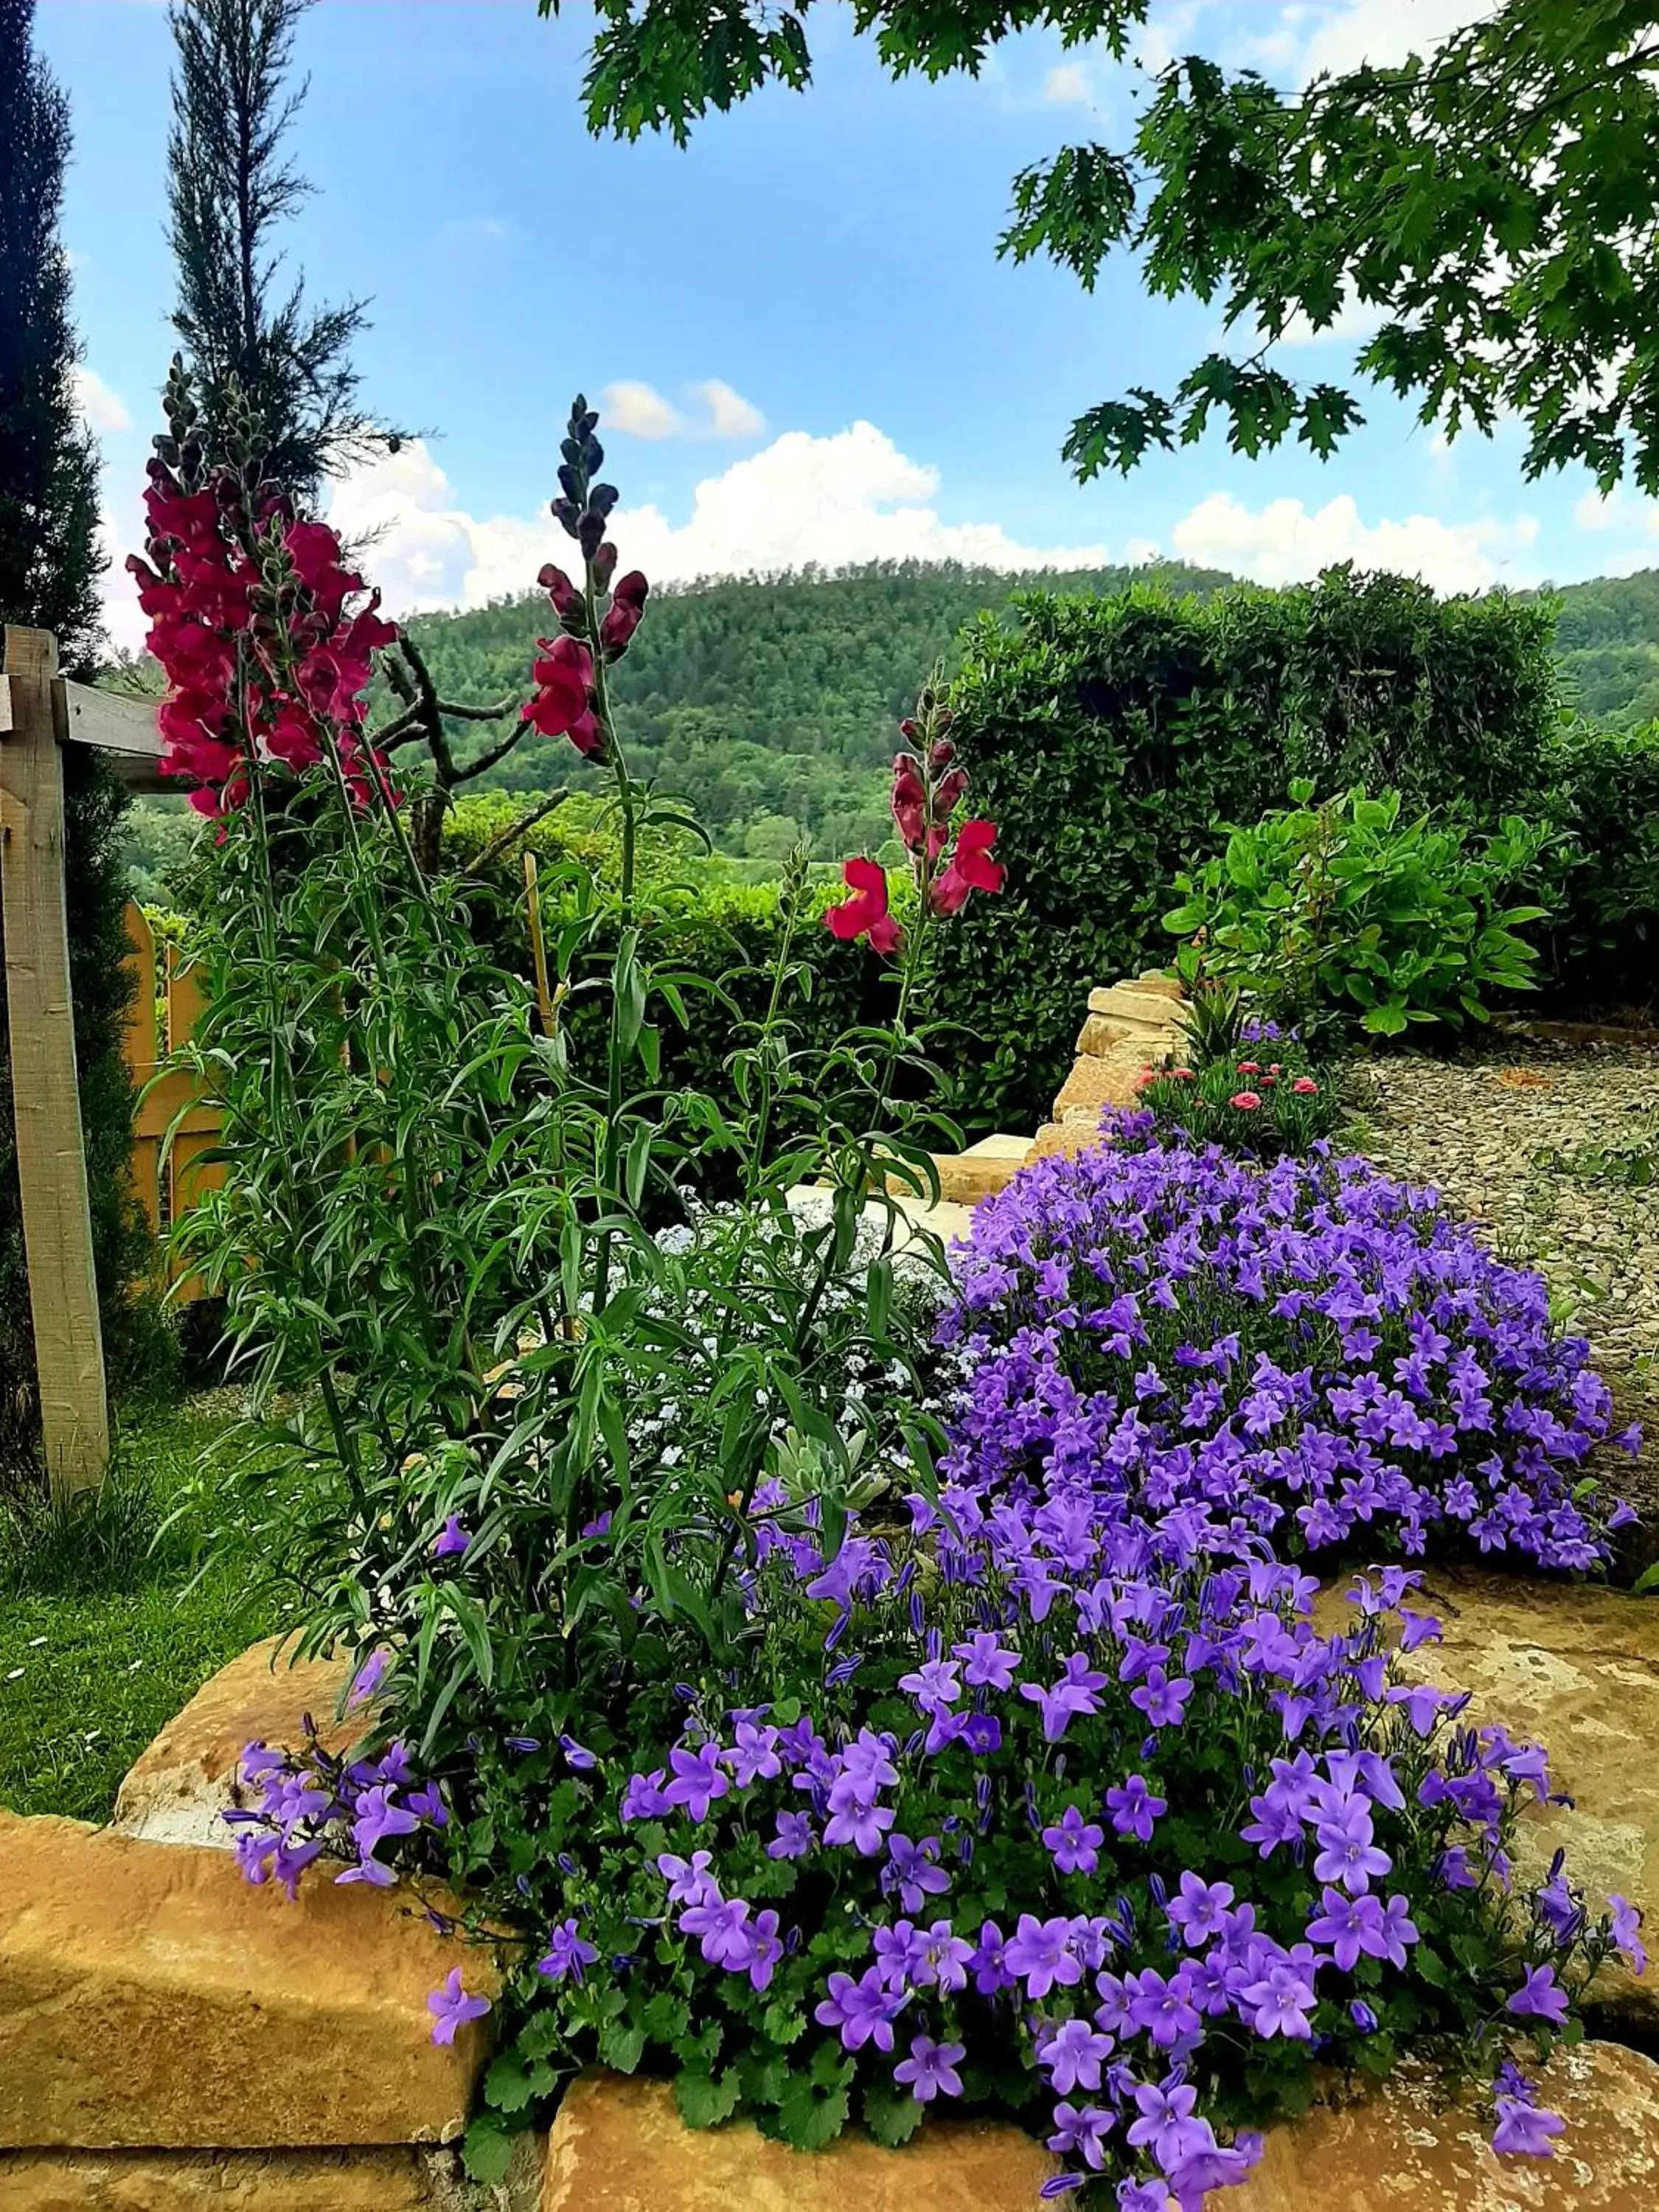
1603	943
1344	908
1491	204
1110	737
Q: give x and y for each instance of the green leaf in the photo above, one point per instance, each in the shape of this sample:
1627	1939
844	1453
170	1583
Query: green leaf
486	2151
622	2047
892	2116
705	2100
809	2118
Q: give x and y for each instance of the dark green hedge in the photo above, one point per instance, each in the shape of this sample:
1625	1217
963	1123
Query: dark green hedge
1602	947
1109	737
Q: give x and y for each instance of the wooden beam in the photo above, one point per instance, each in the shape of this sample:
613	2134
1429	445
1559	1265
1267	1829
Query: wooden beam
52	1161
112	721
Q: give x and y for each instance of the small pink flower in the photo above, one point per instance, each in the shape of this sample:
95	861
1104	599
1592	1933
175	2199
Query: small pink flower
1183	1075
1249	1067
1246	1101
1305	1085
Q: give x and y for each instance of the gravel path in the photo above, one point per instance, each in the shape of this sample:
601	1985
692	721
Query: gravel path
1533	1141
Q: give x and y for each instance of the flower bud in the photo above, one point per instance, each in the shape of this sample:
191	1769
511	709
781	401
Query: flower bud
566	511
908	727
602	499
570	482
590	534
604	565
559	588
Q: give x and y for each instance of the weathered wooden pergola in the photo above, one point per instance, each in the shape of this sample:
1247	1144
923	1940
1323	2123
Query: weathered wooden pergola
40	712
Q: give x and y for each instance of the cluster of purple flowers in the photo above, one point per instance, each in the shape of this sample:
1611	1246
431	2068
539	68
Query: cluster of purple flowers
1123	1984
1308	1352
310	1802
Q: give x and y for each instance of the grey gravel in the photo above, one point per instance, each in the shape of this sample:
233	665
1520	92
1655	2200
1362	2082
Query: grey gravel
1516	1134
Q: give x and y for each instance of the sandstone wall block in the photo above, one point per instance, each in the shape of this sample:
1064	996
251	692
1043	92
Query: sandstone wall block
619	2145
1576	1669
181	1785
150	1997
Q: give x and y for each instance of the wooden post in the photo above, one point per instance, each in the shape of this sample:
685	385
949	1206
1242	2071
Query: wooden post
52	1161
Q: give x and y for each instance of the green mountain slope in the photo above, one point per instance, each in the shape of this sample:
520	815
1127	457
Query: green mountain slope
770	702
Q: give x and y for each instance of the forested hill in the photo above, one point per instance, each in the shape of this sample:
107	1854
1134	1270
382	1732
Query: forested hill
1606	641
769	702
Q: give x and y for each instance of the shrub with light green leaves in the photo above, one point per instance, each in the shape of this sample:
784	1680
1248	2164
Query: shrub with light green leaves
1342	910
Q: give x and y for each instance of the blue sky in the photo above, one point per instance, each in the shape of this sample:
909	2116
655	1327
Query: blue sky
800	320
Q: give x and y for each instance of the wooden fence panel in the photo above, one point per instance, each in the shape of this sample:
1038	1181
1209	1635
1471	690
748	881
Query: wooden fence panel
173	1103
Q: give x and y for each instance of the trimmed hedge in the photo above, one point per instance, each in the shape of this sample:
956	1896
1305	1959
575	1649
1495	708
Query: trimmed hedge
1111	738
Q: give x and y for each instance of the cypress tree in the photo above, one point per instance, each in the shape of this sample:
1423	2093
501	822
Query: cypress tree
230	190
50	563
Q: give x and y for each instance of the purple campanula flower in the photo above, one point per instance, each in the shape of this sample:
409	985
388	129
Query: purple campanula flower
1082	2134
698	1780
1133	1809
645	1798
1072	2056
1075	1844
930	2071
1361	2015
1073	1693
1040	1954
1524	2131
689	1881
863	2010
794	1838
1166	2125
450	2007
1626	1931
450	1541
369	1679
567	1957
1540	1997
1197	1911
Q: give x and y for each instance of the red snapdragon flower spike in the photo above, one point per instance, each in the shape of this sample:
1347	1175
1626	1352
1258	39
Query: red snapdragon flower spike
970	868
865	914
563	674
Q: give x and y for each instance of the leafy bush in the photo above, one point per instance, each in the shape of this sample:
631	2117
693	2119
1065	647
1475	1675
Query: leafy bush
1602	941
1200	1332
1342	909
1108	737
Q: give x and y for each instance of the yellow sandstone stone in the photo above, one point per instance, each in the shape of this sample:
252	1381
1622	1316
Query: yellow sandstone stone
149	1996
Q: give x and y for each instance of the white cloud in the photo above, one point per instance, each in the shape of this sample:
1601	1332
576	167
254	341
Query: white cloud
1384	32
849	497
1282	543
100	408
1354	321
1068	86
730	415
642	410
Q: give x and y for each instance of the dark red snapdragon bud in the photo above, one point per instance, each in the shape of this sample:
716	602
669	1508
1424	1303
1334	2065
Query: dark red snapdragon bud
942	754
604	566
590	534
559	588
568	514
627	606
908	728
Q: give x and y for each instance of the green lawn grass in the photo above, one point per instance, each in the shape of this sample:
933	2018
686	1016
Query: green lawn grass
106	1627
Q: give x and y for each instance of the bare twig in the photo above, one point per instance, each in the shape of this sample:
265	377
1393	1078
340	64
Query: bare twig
497	846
